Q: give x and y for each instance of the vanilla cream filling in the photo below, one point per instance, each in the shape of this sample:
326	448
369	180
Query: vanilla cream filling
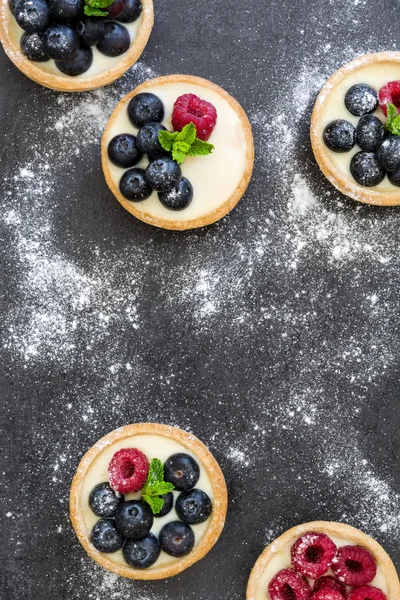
334	108
153	446
214	177
100	64
281	560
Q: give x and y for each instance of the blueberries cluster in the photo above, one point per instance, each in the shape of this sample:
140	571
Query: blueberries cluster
126	524
380	150
59	30
163	174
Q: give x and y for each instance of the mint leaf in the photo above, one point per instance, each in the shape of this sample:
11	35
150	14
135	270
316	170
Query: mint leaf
200	148
92	7
166	139
155	503
183	143
155	486
393	119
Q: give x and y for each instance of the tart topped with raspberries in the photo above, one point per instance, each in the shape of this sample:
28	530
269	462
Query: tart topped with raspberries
75	45
355	129
148	501
324	561
178	152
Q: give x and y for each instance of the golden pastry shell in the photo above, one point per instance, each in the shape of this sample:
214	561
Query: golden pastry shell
64	83
210	217
217	518
343	183
341	530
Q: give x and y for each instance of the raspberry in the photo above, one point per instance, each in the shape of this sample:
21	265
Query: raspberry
390	94
327	594
128	470
331	583
189	108
367	592
289	585
312	554
354	565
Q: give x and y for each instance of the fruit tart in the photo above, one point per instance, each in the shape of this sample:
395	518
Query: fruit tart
324	561
355	129
178	152
147	501
75	45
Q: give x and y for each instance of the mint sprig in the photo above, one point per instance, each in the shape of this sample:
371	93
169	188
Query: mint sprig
393	119
93	8
184	143
155	486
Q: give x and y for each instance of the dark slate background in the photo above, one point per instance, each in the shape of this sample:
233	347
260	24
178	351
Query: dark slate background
279	400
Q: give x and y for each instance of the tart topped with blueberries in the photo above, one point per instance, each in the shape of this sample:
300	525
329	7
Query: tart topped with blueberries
178	152
75	45
324	561
355	129
148	501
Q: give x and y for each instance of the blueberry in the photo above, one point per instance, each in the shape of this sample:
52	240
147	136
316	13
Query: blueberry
178	198
32	15
134	519
394	178
116	39
133	185
131	12
32	47
361	99
182	471
123	152
388	153
104	501
116	8
369	133
145	108
177	538
66	10
366	169
77	65
163	174
167	506
61	42
105	537
340	136
147	140
193	506
91	30
142	553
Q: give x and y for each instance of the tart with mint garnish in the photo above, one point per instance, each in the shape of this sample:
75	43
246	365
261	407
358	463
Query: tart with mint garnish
147	501
355	129
75	45
324	561
178	152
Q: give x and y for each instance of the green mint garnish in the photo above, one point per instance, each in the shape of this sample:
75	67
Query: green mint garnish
393	119
93	8
155	486
184	143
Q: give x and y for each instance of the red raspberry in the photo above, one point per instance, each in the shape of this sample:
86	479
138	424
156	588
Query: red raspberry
128	470
390	94
189	108
354	565
367	592
312	554
327	594
288	584
331	583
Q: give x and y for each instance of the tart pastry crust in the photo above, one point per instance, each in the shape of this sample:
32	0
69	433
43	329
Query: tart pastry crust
65	83
347	532
217	518
345	184
222	209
